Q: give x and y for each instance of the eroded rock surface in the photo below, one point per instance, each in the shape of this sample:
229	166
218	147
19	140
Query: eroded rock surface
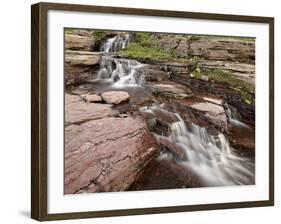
76	41
107	154
78	111
80	65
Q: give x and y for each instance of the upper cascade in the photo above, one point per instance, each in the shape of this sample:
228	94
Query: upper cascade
115	43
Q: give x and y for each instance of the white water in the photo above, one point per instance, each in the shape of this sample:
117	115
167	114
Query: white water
116	43
211	158
121	72
233	119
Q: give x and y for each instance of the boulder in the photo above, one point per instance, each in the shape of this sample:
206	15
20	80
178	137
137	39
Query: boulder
107	154
115	97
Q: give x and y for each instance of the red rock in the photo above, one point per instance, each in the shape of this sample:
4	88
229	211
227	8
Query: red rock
107	154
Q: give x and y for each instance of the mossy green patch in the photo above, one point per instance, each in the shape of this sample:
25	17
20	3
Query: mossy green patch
226	77
214	37
145	39
245	89
144	47
137	51
68	31
99	35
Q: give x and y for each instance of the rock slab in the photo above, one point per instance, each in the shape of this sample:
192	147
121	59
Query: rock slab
107	154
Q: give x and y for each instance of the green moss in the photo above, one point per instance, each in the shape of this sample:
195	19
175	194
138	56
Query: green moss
68	31
137	51
99	35
144	47
214	37
226	77
145	39
245	89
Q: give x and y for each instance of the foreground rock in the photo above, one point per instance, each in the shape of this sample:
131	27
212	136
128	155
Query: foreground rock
106	155
77	111
115	97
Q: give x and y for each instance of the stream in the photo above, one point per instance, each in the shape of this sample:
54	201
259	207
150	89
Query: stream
190	156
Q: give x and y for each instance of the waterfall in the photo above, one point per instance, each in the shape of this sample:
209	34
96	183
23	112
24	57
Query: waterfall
210	157
121	72
233	118
115	43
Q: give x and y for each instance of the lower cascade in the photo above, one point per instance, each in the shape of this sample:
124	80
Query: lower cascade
210	157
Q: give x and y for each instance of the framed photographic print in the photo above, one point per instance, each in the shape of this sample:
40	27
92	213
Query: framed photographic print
138	111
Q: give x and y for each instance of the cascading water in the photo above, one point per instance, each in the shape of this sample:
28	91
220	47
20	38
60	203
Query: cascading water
121	72
232	117
210	157
116	43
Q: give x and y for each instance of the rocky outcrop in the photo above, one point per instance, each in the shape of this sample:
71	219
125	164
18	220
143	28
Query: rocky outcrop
115	97
220	49
215	113
171	90
80	40
153	74
80	65
242	71
107	154
223	50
